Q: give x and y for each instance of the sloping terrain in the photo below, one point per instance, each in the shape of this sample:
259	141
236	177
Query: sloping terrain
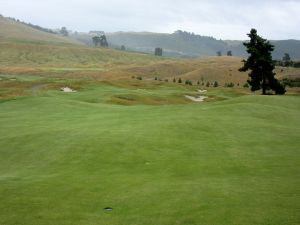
184	44
83	61
13	30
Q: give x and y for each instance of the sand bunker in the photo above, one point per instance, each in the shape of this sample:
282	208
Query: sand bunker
67	89
197	98
202	91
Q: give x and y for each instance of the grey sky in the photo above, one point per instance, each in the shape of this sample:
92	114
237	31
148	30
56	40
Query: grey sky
226	19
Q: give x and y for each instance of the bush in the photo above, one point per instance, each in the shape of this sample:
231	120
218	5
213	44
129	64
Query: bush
246	85
229	84
174	80
139	78
207	84
296	64
291	82
179	81
279	89
188	82
216	84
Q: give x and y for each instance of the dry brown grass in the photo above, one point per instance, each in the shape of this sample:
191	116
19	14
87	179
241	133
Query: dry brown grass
70	61
10	29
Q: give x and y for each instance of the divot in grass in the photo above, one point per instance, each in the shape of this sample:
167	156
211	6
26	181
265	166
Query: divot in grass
108	209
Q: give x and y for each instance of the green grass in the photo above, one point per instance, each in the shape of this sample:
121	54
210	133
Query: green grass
66	156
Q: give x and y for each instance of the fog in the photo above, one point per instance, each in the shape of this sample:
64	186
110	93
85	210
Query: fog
231	19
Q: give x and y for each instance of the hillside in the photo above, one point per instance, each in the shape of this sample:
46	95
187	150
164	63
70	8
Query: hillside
184	44
24	54
13	30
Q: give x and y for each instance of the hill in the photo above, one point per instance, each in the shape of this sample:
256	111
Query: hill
101	63
11	29
184	44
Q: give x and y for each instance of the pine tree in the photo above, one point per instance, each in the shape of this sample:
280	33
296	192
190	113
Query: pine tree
261	65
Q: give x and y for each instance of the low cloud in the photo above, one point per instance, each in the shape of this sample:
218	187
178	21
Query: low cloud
232	19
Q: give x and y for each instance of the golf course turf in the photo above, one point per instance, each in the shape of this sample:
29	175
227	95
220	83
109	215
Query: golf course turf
65	158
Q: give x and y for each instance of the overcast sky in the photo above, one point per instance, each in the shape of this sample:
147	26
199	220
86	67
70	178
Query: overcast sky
222	19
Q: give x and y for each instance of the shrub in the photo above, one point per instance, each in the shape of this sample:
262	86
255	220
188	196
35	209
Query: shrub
291	82
188	82
229	84
216	84
246	85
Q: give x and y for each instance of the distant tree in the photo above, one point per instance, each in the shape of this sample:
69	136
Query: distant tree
219	53
229	84
158	51
103	41
207	84
198	82
100	41
63	31
179	81
261	65
246	85
123	48
96	40
216	84
174	80
155	78
296	64
286	59
229	53
188	82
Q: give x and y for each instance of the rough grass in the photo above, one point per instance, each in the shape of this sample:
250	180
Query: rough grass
64	157
13	30
82	62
